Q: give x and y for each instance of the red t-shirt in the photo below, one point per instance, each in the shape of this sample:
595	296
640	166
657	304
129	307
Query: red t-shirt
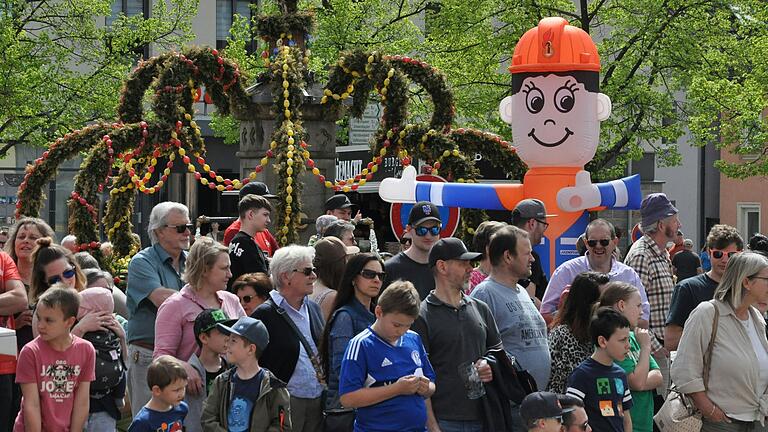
8	271
264	239
57	376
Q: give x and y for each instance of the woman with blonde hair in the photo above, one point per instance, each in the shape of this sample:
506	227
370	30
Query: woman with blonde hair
734	398
206	274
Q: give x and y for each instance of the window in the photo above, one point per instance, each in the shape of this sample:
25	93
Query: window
748	219
131	8
128	8
225	12
646	167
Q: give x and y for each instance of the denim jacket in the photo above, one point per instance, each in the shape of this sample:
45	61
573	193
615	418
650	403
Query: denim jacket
346	322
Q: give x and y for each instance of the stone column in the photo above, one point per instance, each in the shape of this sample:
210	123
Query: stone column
256	129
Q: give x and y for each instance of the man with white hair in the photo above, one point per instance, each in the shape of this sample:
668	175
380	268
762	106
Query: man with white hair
295	325
70	242
153	275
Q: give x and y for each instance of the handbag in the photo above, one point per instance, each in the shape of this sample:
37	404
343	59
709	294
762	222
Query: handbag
678	413
338	420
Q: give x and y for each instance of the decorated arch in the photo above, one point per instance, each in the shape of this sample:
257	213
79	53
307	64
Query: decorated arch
122	156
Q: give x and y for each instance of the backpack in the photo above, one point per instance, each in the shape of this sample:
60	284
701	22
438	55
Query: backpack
109	361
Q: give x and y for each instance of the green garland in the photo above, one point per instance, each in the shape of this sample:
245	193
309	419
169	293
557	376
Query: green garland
288	140
449	151
275	27
174	78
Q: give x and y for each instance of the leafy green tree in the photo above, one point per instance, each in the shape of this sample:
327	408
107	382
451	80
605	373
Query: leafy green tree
667	65
61	67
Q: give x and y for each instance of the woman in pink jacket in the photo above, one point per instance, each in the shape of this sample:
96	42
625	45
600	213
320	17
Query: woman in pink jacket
206	274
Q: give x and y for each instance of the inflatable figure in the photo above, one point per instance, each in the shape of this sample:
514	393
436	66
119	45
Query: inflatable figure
555	112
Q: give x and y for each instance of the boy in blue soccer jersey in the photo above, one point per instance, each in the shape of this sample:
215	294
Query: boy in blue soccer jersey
385	373
599	381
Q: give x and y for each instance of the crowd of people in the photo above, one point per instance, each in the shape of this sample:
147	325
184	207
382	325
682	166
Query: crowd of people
256	337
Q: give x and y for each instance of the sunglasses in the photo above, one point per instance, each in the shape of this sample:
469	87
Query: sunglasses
247	298
546	225
603	242
719	254
181	228
582	426
405	241
306	271
370	274
422	231
66	274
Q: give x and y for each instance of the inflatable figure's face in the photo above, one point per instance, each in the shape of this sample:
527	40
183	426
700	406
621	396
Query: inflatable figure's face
555	121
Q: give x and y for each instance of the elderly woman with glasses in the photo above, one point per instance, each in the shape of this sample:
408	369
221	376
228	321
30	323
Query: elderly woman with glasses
295	324
352	313
735	398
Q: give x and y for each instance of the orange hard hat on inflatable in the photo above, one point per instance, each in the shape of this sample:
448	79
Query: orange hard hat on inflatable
555	46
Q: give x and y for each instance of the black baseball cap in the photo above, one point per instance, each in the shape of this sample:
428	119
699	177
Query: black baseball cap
338	202
423	211
542	405
451	248
251	329
256	188
207	320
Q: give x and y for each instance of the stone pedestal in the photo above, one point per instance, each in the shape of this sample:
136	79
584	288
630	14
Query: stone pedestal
256	129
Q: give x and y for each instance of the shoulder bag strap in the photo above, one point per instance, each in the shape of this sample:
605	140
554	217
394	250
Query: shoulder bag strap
708	354
313	356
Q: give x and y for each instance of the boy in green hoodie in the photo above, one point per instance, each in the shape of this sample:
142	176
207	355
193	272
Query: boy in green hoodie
247	397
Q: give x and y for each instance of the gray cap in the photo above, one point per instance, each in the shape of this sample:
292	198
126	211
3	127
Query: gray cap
324	221
530	209
656	207
251	329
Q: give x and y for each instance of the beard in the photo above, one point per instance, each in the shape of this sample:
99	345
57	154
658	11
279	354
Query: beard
670	233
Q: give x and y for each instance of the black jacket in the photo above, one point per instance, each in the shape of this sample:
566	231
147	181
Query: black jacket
282	353
510	385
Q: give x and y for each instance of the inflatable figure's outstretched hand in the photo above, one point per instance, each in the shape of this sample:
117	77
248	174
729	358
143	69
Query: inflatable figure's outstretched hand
402	190
584	195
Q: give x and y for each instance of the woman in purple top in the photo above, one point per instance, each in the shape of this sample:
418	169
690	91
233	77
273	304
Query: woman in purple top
206	274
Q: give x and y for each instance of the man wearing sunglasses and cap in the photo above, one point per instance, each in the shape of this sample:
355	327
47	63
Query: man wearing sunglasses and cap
723	242
600	240
530	215
423	228
456	331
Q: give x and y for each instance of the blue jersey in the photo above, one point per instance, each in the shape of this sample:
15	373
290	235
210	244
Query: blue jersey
149	420
370	361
